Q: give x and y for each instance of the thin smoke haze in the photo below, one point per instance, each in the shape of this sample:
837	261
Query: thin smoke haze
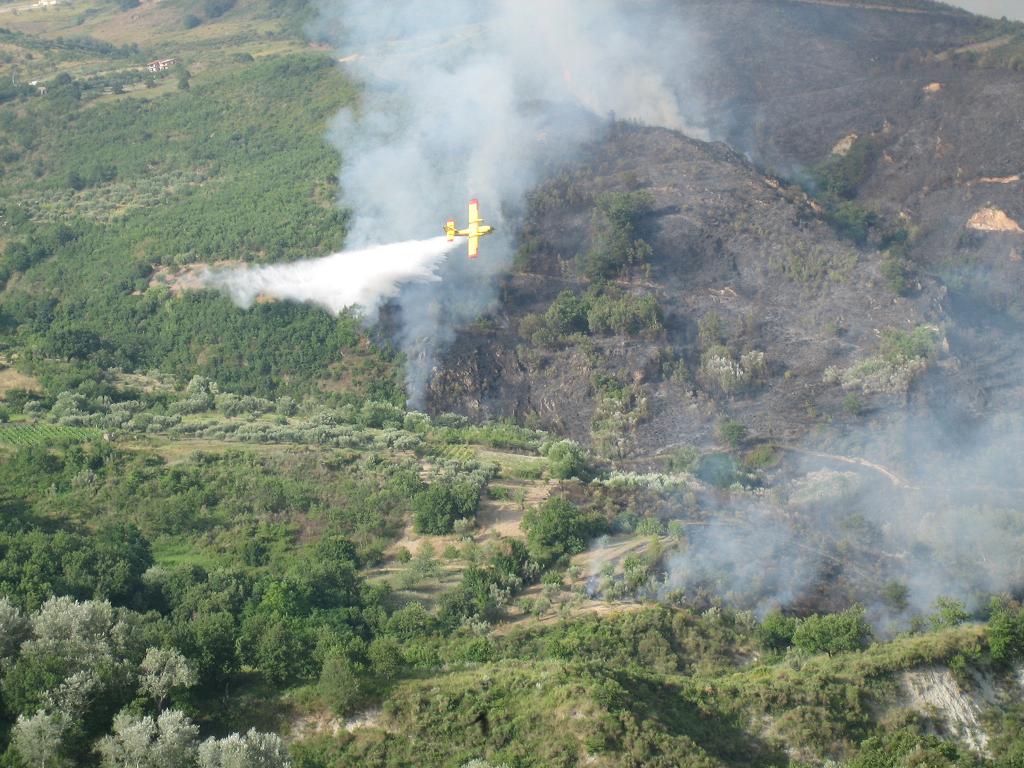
363	278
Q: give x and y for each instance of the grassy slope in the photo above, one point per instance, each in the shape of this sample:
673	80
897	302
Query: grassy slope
538	704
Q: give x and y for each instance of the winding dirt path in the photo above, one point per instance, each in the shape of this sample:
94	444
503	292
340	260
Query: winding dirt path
891	476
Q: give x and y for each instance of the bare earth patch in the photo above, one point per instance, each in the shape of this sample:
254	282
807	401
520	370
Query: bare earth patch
993	220
326	724
935	692
844	145
1000	179
11	379
503	518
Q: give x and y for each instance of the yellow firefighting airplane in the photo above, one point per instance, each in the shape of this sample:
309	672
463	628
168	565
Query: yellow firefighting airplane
473	232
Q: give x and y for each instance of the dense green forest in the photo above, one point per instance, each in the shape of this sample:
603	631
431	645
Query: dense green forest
226	542
194	565
234	167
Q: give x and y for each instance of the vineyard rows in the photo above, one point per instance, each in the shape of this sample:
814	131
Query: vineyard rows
24	435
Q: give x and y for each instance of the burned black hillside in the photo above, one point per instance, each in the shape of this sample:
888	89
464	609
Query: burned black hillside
882	199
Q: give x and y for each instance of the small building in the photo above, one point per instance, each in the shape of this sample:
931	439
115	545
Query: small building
161	64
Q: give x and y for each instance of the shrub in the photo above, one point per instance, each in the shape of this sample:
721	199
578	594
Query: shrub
833	633
948	613
900	358
896	271
340	684
775	633
557	528
840	176
614	234
852	404
851	221
683	459
566	459
762	457
720	370
899	346
732	432
626	315
436	509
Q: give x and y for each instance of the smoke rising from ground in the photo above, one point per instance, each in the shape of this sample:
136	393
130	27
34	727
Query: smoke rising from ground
362	278
468	99
827	536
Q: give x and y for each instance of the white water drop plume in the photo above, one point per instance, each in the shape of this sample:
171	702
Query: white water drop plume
364	278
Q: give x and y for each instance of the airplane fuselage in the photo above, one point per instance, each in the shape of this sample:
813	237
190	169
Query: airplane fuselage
473	232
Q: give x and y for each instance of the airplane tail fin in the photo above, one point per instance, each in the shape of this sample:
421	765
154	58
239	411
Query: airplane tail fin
449	229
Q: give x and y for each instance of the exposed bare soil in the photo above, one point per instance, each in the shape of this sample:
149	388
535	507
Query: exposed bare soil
12	379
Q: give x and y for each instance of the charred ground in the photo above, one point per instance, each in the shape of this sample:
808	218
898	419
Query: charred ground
924	128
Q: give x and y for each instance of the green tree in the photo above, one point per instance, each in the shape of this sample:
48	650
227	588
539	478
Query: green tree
39	740
167	741
210	638
776	631
340	683
422	566
385	656
906	747
566	315
253	750
833	633
1005	630
683	459
557	528
277	645
615	244
948	613
566	459
436	509
162	671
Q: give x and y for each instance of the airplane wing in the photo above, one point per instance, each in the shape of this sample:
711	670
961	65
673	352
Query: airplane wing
474	246
474	213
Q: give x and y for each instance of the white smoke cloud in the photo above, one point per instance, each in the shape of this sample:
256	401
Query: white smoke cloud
362	278
478	98
464	99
